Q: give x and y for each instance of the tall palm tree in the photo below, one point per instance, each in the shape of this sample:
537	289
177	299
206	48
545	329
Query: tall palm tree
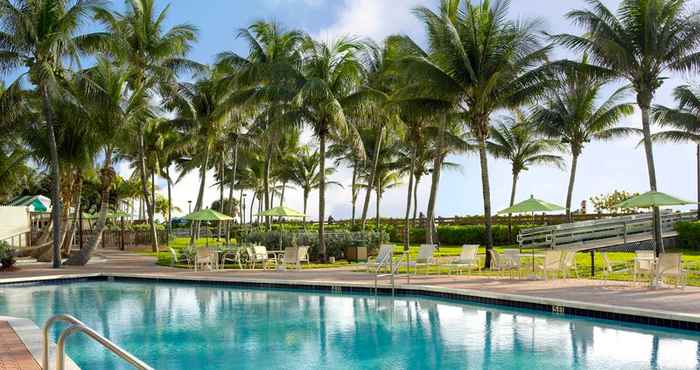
103	91
480	61
305	173
40	35
683	122
639	43
570	114
331	72
516	140
138	38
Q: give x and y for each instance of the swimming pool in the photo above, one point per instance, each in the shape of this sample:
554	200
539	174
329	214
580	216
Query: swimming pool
196	326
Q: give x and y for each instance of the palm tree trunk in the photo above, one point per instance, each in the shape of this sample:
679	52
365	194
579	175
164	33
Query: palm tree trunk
486	192
570	191
266	184
415	198
432	199
322	196
221	194
379	199
697	158
512	201
107	176
353	192
144	190
56	203
306	200
252	203
372	175
644	102
170	203
70	229
152	212
407	225
230	191
200	194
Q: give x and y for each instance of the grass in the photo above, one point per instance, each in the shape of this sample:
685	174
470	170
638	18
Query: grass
621	260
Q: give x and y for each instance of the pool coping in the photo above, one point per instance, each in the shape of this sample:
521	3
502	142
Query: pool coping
32	337
674	320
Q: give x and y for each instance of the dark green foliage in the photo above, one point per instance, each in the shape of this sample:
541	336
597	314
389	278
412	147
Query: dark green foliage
336	241
688	234
462	234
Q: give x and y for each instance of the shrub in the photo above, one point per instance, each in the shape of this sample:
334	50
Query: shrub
688	234
335	241
459	234
7	255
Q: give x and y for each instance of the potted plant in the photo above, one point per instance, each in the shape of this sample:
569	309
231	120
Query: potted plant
7	256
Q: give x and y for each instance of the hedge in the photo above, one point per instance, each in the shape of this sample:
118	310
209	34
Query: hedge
335	241
461	234
688	234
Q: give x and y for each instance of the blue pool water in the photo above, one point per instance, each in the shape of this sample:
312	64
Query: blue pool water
181	326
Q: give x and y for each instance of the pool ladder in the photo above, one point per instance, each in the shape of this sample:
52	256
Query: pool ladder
75	327
393	269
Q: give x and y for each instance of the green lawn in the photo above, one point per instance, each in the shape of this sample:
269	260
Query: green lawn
621	260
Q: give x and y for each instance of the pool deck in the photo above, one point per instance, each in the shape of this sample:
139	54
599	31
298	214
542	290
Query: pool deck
14	355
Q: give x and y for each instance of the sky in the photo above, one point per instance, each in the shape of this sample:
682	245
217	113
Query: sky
602	168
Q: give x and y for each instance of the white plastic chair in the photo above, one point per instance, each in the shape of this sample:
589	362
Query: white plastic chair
425	258
386	253
609	267
644	262
292	257
304	254
551	264
205	257
671	265
568	263
511	261
467	258
258	254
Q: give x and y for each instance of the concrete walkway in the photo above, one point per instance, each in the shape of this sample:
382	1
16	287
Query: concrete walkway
14	355
612	293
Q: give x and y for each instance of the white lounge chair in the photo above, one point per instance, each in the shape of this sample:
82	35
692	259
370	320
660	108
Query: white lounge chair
425	258
292	257
568	263
382	261
205	257
467	258
670	265
609	268
551	264
177	258
511	261
644	262
258	254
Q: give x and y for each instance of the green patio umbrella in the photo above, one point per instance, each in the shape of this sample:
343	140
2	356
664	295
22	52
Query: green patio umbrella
207	215
531	205
652	199
282	212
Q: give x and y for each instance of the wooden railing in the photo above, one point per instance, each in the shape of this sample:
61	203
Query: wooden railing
600	233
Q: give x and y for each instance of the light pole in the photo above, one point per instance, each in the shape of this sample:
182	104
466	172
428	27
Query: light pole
189	206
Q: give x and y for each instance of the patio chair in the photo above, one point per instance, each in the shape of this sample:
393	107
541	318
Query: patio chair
467	258
178	258
497	262
551	264
511	261
609	268
670	265
644	262
233	256
259	255
386	253
205	257
292	257
304	254
568	263
425	258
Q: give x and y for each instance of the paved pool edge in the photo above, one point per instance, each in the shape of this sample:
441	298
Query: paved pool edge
32	337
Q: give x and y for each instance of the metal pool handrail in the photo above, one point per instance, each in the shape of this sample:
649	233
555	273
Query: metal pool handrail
79	326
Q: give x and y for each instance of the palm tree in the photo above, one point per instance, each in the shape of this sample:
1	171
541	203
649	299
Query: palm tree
684	121
305	173
102	90
265	80
331	72
570	114
645	39
154	55
516	140
481	62
40	36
